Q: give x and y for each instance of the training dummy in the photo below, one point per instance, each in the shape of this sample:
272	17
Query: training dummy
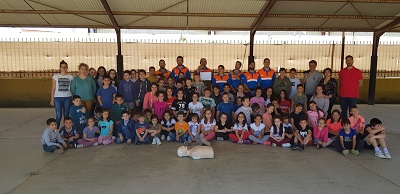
197	152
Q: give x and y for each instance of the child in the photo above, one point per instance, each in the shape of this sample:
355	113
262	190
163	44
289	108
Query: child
287	126
282	82
294	81
227	89
78	113
147	114
189	90
267	116
180	105
68	133
300	97
302	136
277	134
246	109
51	139
161	85
126	89
314	114
171	83
142	86
141	129
106	129
89	134
284	102
348	140
258	98
269	95
181	129
374	135
198	84
207	126
255	111
114	81
320	98
257	131
170	96
179	85
118	108
125	129
334	124
357	122
195	106
194	129
160	105
168	126
226	107
238	103
277	108
155	130
106	94
321	138
97	115
216	95
297	115
207	101
240	92
150	97
241	130
223	128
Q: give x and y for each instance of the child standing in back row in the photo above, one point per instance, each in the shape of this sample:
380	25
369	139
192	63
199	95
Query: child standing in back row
106	93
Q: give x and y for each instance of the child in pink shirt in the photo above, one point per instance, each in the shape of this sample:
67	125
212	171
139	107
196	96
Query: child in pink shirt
258	99
321	134
160	105
314	114
150	97
357	122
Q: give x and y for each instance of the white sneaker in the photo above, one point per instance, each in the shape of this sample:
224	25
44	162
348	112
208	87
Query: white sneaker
168	138
158	141
387	155
286	145
79	146
380	155
273	144
154	141
220	139
162	137
96	144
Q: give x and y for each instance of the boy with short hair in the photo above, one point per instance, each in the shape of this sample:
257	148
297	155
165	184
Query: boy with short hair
118	108
297	115
246	109
207	101
51	139
78	114
302	136
142	86
238	103
189	90
357	122
294	81
227	89
126	88
374	135
69	133
226	107
256	110
106	94
179	85
348	140
180	105
198	84
141	127
182	128
299	97
147	113
216	95
97	115
125	129
282	82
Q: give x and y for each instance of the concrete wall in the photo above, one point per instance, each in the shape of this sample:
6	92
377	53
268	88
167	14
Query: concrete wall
36	92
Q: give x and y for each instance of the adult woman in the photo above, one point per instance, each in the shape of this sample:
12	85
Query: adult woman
114	78
61	95
101	71
84	86
150	97
330	89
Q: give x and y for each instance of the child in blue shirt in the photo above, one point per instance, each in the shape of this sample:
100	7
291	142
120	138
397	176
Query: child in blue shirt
78	114
51	139
106	94
126	89
347	140
226	107
69	133
141	128
125	129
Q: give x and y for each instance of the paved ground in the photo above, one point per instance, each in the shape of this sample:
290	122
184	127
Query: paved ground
25	168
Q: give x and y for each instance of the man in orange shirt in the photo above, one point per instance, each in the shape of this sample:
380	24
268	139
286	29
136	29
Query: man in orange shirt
179	68
251	79
267	75
162	72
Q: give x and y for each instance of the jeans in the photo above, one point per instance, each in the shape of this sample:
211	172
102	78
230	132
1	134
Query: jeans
51	148
183	137
197	138
172	135
262	140
348	145
345	103
146	140
62	105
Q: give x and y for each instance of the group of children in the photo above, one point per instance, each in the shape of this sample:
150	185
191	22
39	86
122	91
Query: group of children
188	112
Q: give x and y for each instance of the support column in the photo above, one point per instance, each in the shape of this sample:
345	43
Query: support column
251	55
342	55
373	69
120	57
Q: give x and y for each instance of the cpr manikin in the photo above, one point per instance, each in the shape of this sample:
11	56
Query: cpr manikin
197	152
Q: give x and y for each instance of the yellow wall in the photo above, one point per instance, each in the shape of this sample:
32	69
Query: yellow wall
36	92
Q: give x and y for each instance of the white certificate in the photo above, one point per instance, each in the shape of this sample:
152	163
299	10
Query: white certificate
205	75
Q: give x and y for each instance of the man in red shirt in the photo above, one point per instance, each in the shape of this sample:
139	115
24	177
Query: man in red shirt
350	80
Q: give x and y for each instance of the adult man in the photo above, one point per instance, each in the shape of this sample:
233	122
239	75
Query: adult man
220	79
251	79
179	68
311	79
152	77
350	80
267	75
162	72
236	75
203	66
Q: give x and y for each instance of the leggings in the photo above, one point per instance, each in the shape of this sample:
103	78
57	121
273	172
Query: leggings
86	143
105	141
279	143
210	136
245	135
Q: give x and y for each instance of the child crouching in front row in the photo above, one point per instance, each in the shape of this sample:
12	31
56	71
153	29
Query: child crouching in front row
106	126
374	136
320	133
51	139
155	130
348	140
302	136
89	134
141	128
125	128
277	135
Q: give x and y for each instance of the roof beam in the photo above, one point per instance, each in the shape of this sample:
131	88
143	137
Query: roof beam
110	15
354	1
389	26
263	15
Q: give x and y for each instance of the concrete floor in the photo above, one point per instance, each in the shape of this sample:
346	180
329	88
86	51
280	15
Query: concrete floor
25	168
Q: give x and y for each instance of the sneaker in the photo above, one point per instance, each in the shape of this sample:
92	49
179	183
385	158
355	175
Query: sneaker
168	138
220	139
233	141
96	144
387	155
318	146
59	151
380	155
247	142
162	137
154	141
295	147
79	146
158	141
286	145
273	144
302	147
255	143
267	143
355	152
129	141
345	152
204	141
114	139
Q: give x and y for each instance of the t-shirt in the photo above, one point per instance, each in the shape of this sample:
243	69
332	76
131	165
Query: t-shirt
288	128
267	120
221	126
247	112
257	130
285	105
182	128
207	126
105	127
259	100
299	99
63	83
278	132
199	87
141	127
107	96
349	82
159	108
196	108
312	82
294	82
90	133
296	118
168	124
170	101
65	133
208	103
348	138
193	127
357	124
334	127
226	108
180	105
304	132
314	115
237	127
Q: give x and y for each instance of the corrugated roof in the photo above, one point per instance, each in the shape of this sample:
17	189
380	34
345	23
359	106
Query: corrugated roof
229	22
226	6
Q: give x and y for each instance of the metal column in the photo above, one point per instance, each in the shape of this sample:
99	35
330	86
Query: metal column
251	55
373	69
